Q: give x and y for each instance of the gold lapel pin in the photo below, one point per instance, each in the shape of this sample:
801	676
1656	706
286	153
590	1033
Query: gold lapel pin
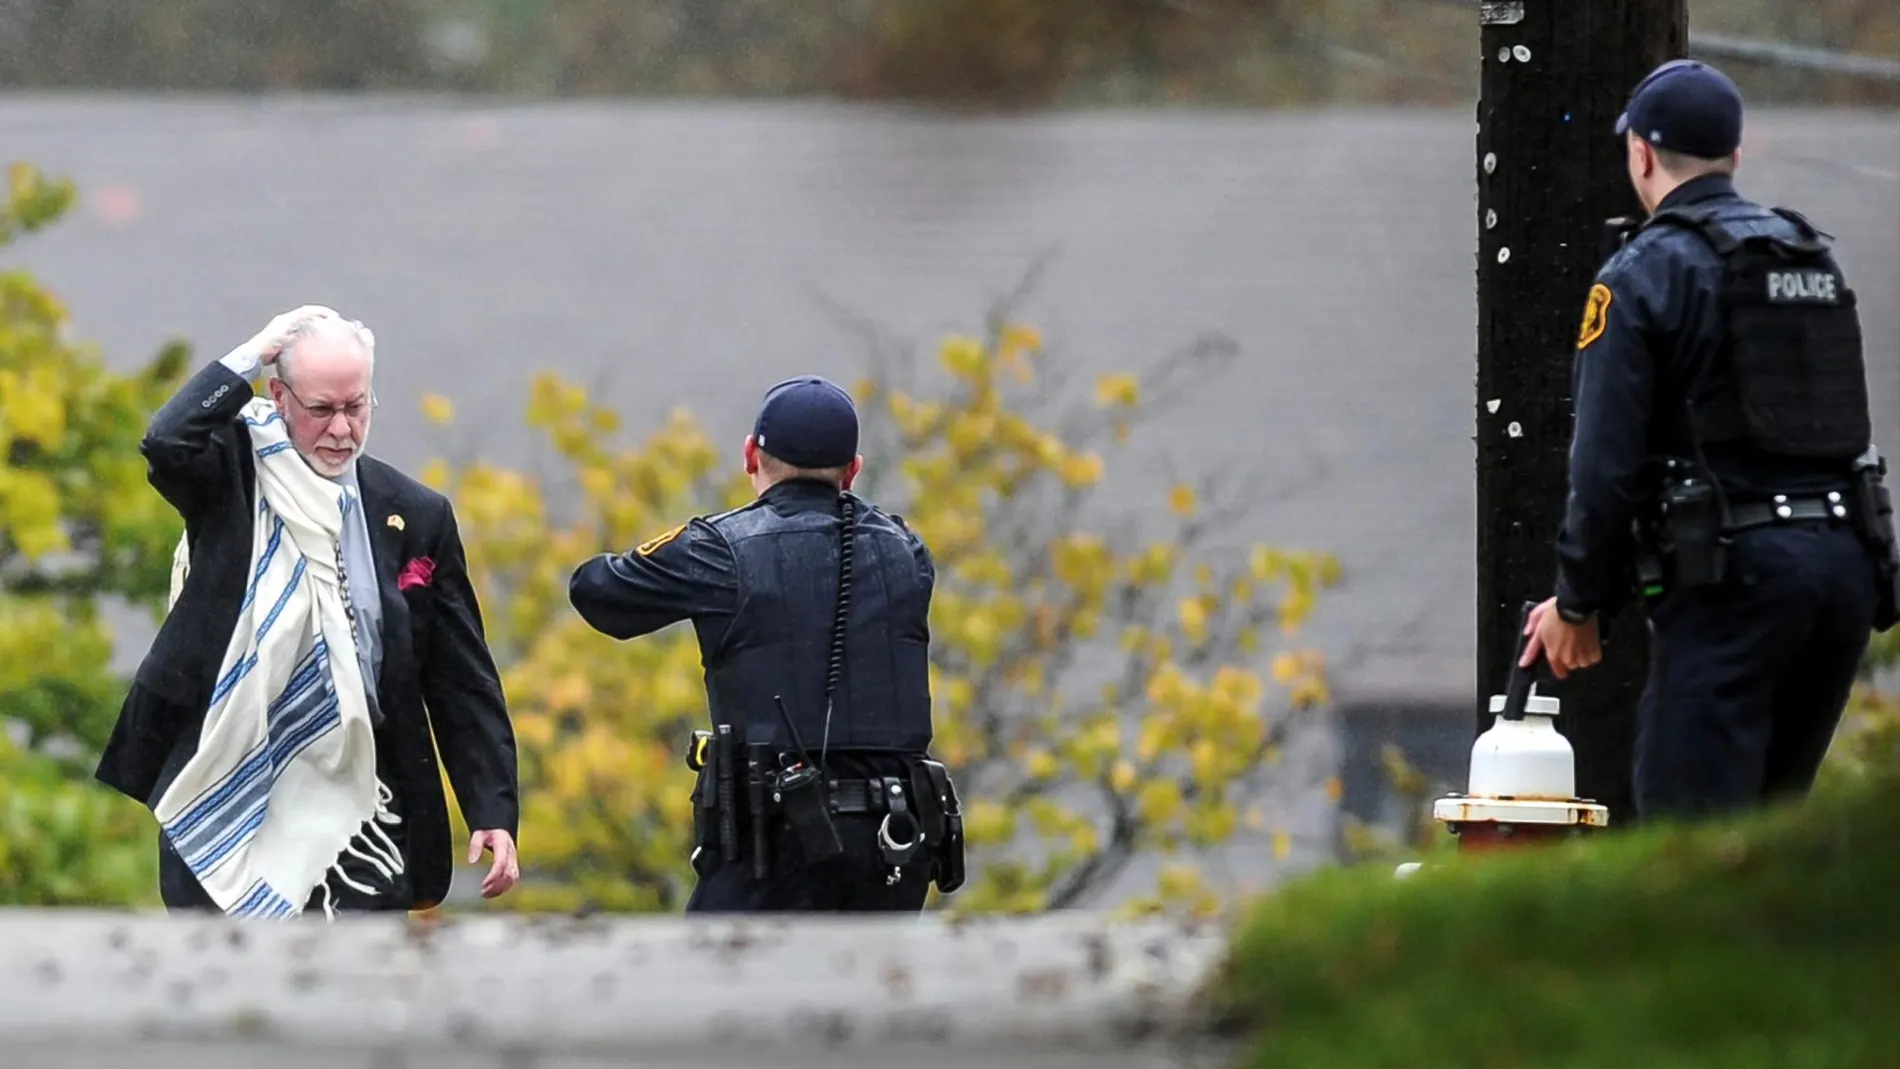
396	522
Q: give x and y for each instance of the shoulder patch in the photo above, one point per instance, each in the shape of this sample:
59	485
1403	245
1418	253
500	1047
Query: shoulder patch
1596	315
646	548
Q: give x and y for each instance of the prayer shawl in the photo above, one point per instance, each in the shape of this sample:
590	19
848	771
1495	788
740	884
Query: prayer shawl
284	779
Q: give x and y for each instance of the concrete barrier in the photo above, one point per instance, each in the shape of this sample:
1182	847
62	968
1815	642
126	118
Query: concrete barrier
87	989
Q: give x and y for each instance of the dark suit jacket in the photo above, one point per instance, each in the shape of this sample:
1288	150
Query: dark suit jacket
436	668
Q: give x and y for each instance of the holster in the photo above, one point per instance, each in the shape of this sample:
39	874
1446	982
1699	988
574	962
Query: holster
699	758
1689	539
1873	520
1887	593
714	823
942	822
1700	548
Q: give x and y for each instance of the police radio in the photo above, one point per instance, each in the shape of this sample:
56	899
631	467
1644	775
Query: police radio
801	794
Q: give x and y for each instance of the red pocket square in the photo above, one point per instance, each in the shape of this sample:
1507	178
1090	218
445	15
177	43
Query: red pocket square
417	572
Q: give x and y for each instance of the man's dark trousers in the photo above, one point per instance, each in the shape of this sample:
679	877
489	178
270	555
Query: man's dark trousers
1748	677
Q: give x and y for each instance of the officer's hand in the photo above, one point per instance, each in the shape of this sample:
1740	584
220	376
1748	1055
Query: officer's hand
507	867
1563	645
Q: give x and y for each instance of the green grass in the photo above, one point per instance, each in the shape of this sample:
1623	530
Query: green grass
1767	943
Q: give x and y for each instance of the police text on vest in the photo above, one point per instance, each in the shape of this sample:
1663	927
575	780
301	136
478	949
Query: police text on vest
1801	286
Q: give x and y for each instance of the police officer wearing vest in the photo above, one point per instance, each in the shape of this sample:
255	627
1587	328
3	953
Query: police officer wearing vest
1722	467
815	791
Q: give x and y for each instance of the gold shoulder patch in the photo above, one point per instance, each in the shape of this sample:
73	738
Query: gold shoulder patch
1596	315
647	547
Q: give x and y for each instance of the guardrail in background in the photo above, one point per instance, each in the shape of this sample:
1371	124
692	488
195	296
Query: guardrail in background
1730	46
1780	53
93	989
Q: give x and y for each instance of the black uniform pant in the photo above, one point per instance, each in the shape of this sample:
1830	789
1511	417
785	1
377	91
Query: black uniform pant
1748	678
854	882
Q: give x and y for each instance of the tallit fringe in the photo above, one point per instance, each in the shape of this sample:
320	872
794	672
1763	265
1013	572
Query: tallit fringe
373	845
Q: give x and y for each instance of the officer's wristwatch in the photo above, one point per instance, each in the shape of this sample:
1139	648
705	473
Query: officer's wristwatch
1572	616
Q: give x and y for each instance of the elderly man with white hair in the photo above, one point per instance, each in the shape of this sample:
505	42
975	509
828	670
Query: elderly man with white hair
323	642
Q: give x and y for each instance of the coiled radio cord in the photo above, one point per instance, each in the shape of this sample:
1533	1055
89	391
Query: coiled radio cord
848	509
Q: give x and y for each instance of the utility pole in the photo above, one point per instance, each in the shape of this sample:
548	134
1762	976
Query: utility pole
1555	75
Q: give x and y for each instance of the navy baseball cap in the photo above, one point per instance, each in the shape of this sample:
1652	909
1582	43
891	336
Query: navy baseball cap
1687	107
808	422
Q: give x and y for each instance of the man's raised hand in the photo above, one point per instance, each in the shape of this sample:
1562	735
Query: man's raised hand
268	343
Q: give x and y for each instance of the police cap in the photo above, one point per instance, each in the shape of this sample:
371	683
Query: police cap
1687	107
808	422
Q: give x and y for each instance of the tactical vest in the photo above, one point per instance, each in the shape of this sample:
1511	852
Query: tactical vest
779	640
1793	382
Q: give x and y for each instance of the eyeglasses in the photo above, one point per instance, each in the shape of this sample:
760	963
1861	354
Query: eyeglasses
354	411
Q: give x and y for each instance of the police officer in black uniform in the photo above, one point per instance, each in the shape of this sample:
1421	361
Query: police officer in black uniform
816	792
1721	465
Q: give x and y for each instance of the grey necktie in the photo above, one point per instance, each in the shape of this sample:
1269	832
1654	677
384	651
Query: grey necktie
356	625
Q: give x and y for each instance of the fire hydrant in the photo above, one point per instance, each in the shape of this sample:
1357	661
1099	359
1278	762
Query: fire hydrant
1523	778
1523	783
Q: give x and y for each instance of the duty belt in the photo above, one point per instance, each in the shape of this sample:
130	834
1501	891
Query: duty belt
900	836
1785	509
864	796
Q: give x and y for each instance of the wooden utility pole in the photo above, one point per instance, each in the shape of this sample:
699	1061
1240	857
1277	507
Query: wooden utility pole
1556	74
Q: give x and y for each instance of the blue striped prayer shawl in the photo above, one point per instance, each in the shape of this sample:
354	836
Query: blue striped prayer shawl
284	778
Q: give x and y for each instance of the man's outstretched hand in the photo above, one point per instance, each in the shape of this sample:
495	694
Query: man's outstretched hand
506	870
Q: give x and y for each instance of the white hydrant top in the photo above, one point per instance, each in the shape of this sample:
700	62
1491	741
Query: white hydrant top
1524	759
